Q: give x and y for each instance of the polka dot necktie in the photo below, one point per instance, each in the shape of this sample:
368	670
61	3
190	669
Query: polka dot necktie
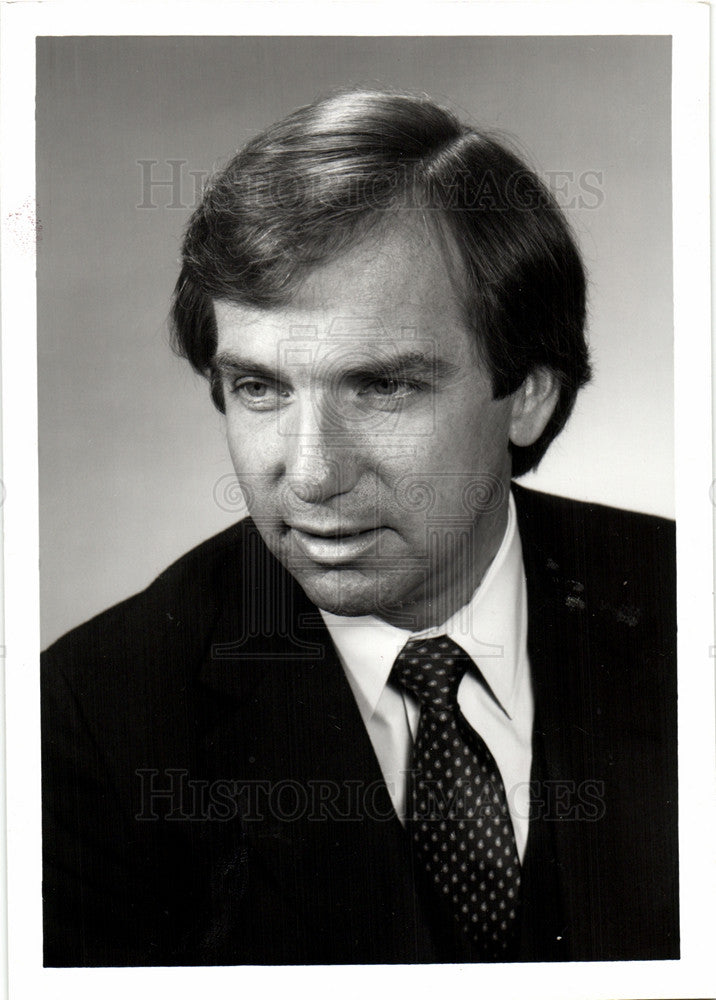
458	818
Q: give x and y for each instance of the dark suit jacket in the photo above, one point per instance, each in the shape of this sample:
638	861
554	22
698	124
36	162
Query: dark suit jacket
211	795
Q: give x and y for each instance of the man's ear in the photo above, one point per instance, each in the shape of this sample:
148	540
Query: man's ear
532	406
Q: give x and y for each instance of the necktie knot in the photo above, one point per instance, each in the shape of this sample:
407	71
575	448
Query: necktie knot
431	669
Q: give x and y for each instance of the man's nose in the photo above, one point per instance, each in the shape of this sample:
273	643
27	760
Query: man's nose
321	456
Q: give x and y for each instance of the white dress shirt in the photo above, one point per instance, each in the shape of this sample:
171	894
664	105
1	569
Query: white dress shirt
492	629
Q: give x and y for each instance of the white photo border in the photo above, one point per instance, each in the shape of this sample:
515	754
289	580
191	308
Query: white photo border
688	24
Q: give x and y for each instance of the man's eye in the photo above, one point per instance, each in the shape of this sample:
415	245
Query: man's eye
256	390
257	394
389	388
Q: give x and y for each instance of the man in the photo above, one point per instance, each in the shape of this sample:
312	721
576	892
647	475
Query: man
405	712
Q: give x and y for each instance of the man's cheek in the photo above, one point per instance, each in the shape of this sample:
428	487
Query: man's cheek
265	497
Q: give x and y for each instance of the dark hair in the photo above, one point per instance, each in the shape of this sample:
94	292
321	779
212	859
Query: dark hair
314	184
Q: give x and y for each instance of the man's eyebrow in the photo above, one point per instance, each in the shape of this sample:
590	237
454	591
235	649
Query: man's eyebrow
415	364
227	363
411	364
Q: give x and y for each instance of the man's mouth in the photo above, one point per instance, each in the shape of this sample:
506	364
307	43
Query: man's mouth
340	531
339	544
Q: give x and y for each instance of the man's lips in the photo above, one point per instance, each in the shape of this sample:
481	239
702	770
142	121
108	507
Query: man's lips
341	531
335	545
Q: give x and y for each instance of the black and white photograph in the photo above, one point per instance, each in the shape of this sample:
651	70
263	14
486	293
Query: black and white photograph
373	507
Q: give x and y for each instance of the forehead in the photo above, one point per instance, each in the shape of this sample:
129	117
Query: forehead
395	288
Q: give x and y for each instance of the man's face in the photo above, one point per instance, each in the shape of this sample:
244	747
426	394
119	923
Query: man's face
363	431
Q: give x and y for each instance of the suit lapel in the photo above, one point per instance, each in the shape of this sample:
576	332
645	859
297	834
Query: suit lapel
324	840
565	761
270	652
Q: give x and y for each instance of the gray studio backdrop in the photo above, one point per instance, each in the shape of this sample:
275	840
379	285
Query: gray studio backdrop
133	463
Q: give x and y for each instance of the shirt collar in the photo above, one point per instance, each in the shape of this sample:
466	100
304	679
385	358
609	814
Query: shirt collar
491	629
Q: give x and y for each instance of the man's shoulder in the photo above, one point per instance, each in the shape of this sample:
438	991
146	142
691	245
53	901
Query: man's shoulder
618	565
568	526
181	603
561	509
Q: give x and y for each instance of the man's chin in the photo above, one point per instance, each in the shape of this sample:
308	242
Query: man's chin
349	592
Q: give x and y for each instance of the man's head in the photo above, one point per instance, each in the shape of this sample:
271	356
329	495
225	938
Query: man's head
389	306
